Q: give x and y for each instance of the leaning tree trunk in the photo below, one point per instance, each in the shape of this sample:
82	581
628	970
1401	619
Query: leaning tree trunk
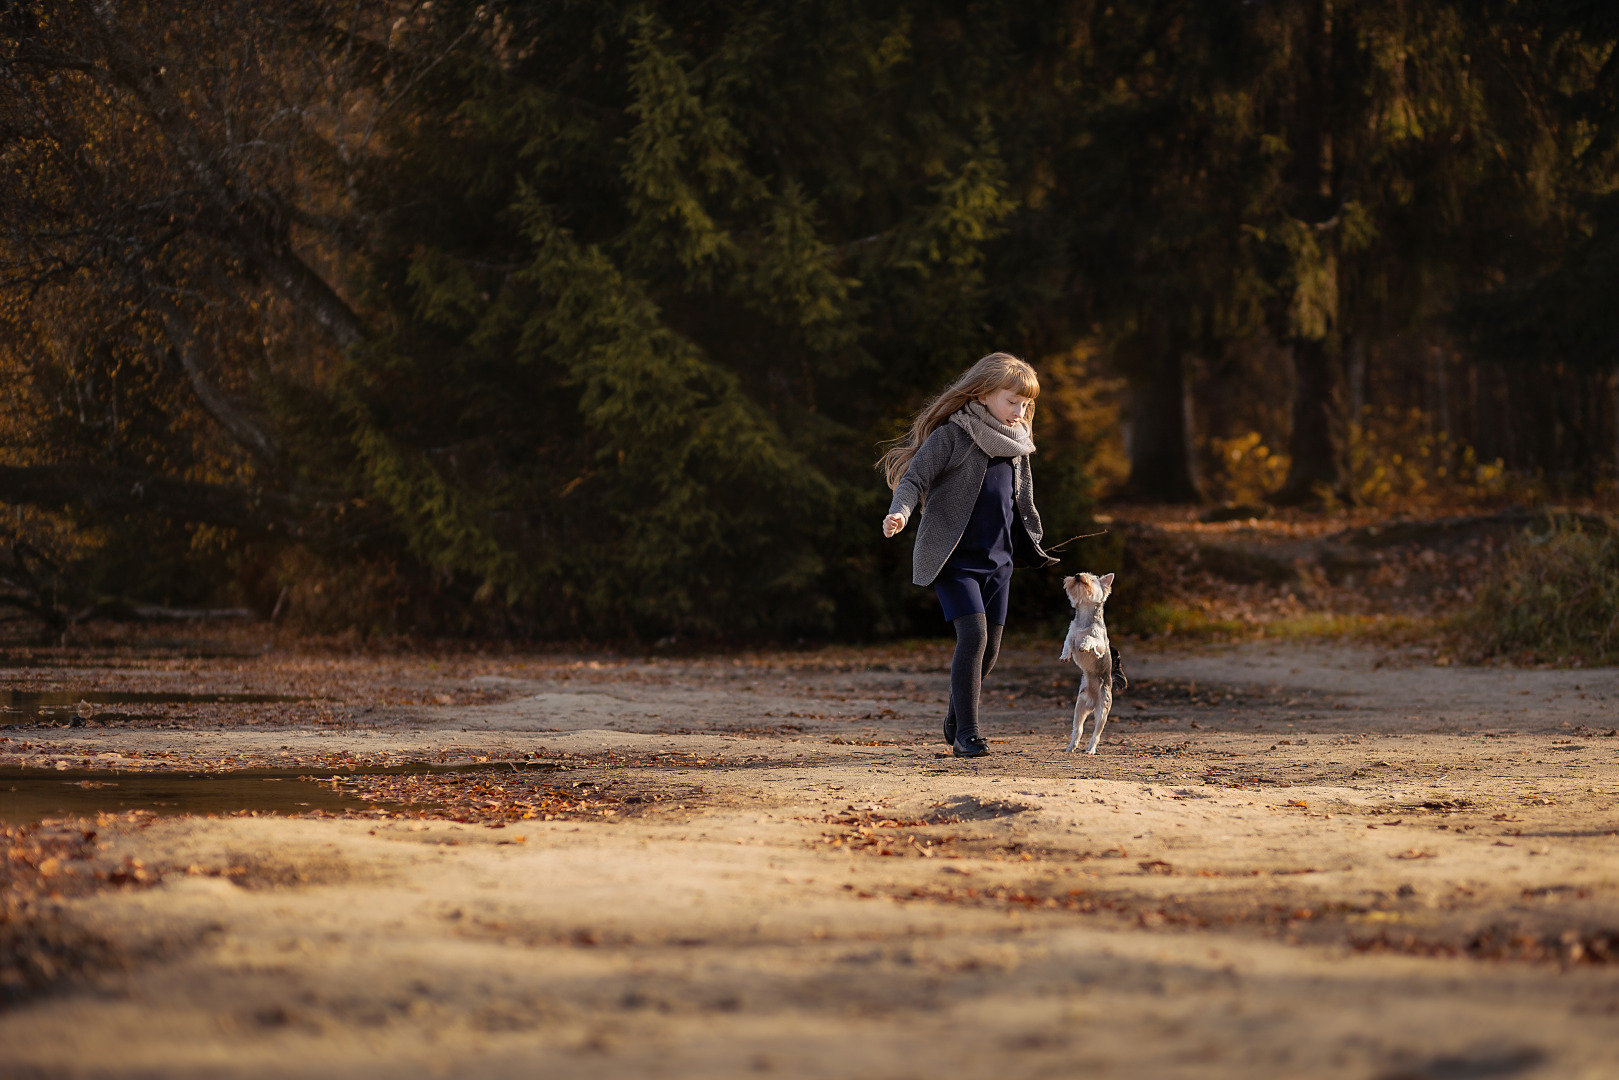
252	227
111	490
1161	465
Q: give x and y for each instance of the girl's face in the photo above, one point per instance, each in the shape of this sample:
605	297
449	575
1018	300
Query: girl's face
1007	406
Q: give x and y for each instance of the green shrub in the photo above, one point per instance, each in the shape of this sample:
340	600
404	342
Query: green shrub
1553	596
1170	619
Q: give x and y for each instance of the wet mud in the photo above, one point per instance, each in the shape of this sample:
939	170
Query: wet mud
28	796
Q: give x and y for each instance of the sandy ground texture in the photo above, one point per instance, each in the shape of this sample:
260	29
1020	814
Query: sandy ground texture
1286	861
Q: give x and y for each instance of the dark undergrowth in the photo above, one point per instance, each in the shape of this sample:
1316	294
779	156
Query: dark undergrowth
1553	598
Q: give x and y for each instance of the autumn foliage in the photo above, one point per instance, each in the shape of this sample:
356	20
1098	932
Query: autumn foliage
587	319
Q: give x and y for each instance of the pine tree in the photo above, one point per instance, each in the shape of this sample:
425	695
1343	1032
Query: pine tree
683	266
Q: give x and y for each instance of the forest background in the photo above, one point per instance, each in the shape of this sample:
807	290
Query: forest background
582	319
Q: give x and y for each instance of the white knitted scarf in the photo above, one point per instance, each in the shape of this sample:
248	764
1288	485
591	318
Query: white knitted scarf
993	437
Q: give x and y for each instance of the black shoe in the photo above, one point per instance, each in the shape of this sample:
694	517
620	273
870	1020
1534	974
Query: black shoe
969	746
1120	680
950	729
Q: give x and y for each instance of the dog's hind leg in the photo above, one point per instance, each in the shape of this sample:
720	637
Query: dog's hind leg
1080	712
1103	707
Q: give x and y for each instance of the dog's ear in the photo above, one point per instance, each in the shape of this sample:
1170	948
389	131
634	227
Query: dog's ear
1074	589
1106	581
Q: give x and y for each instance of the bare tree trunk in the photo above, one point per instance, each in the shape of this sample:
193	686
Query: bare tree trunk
1472	408
1357	379
1592	431
1161	468
1318	448
1189	428
1613	417
1439	386
1506	420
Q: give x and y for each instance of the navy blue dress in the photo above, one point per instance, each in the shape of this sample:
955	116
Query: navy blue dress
978	572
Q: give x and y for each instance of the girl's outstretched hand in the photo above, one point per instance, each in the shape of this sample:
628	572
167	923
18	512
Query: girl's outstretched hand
892	524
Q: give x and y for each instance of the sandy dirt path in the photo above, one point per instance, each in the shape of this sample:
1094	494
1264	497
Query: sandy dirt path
1287	861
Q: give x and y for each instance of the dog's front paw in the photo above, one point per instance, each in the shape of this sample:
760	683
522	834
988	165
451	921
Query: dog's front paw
1092	750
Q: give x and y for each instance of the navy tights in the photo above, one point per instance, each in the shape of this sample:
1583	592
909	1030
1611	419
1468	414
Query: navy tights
977	645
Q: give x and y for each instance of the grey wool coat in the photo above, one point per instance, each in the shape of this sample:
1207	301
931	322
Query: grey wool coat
944	478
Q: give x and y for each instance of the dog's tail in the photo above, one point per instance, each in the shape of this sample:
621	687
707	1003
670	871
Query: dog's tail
1120	680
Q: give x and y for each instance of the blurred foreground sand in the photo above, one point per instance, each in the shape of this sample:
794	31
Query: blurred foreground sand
1288	861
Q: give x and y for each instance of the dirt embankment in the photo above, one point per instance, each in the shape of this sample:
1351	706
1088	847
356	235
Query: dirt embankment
1227	577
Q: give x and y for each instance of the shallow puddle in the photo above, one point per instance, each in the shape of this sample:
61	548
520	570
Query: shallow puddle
31	795
63	705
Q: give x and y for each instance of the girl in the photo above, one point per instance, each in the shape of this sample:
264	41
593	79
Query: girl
966	462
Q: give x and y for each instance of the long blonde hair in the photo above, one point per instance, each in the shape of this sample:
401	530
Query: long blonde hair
997	371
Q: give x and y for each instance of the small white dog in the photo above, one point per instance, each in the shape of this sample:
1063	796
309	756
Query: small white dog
1087	646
